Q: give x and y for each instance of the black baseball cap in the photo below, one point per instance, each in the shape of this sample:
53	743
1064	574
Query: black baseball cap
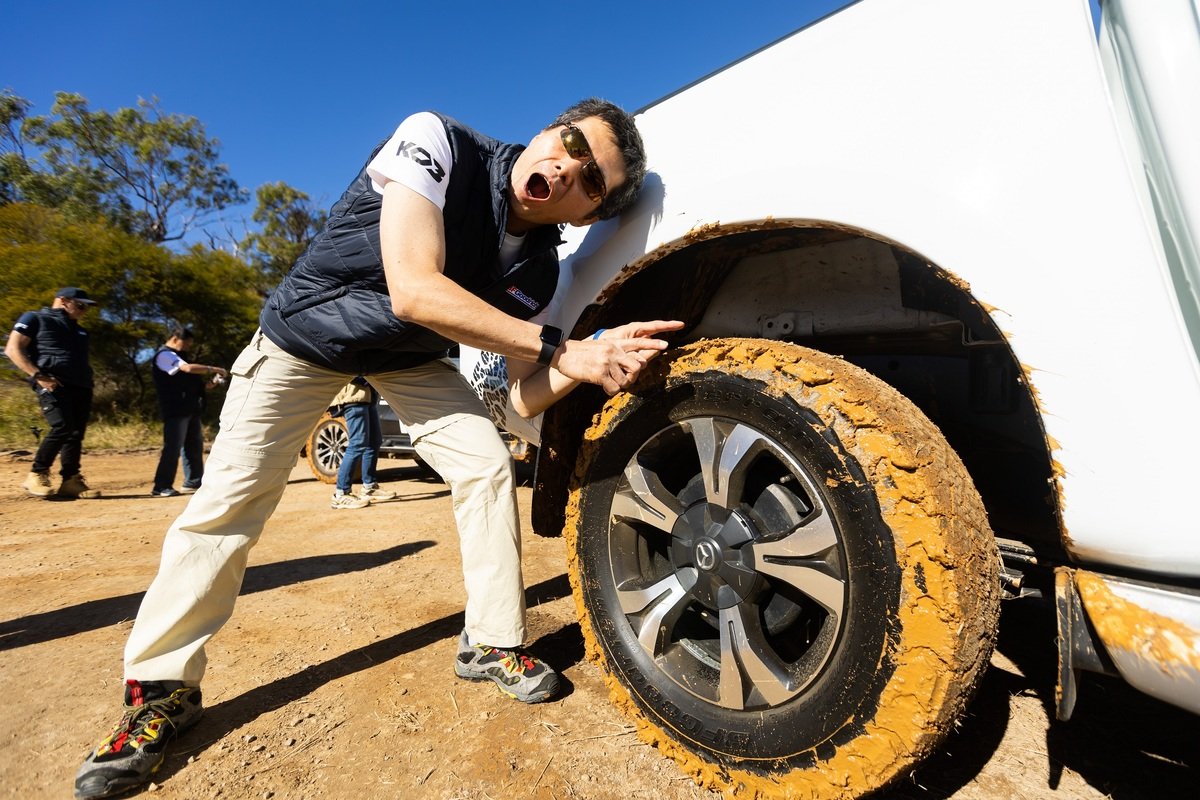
76	294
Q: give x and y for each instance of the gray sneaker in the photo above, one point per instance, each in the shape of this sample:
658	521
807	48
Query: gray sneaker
155	713
518	674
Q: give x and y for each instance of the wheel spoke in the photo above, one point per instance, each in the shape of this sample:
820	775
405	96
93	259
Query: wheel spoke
798	560
745	661
723	452
646	499
659	606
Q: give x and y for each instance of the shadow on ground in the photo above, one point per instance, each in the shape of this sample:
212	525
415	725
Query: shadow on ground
95	614
232	714
1123	743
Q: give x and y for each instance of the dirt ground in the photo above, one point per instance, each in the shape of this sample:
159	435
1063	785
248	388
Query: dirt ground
334	677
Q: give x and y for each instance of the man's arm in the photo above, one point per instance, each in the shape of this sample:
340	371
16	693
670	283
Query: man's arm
203	369
170	362
412	241
534	388
16	349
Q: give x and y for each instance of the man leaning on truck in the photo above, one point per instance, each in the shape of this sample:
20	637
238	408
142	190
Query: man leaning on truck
446	235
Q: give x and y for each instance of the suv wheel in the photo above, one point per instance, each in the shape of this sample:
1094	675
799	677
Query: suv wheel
325	447
784	566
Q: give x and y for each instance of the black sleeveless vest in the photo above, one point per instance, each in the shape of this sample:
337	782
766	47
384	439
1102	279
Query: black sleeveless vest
60	348
333	307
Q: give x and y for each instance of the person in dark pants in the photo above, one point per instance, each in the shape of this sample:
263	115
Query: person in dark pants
52	349
180	401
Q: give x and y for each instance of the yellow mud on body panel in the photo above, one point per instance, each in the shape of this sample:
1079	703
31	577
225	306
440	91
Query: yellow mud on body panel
1128	626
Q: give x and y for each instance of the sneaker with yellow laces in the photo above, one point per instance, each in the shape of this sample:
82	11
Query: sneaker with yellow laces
518	674
155	713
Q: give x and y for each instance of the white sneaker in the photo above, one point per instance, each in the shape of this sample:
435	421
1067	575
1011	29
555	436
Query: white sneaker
348	501
374	494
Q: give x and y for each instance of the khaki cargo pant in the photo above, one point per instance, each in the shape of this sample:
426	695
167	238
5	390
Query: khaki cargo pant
273	401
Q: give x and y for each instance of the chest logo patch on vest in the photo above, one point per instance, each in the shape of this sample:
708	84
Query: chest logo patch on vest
523	298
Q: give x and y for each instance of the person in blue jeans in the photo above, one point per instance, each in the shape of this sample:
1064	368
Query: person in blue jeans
359	406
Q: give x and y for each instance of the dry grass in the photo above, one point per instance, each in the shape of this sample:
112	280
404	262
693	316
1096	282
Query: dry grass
22	424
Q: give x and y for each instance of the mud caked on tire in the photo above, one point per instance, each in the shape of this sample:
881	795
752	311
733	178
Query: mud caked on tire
325	447
783	569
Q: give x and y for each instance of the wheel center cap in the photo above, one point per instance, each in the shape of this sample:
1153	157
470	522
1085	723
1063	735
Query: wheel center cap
707	555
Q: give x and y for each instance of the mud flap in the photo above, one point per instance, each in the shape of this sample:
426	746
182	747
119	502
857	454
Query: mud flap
1078	646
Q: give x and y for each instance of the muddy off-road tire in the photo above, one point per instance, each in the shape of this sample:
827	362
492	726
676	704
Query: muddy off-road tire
325	447
784	571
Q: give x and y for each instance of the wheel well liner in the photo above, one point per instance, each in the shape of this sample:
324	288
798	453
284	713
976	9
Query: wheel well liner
683	280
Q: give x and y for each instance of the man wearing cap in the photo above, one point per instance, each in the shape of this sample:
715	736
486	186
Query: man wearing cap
52	349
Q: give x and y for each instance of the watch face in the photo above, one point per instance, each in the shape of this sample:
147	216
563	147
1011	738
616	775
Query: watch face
551	338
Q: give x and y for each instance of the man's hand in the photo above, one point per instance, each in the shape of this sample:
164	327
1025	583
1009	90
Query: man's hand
219	376
614	360
47	382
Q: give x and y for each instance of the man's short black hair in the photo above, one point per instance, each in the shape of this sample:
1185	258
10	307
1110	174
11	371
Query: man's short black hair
181	333
629	142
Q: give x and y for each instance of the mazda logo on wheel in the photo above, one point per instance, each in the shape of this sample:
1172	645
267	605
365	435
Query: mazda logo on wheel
707	555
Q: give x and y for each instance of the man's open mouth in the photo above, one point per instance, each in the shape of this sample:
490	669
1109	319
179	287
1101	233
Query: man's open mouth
537	187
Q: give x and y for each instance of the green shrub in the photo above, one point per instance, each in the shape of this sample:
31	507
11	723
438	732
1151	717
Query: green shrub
19	414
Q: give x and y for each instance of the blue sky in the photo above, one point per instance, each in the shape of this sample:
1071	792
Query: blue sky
300	91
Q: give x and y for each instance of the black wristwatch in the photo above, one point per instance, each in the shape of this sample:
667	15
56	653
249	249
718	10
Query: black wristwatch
551	338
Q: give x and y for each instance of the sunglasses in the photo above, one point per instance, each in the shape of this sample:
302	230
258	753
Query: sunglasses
577	147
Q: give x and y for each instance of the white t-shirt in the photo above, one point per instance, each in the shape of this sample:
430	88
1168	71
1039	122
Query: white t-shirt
169	361
418	156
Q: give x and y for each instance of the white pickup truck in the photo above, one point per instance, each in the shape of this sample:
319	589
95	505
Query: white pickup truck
938	264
